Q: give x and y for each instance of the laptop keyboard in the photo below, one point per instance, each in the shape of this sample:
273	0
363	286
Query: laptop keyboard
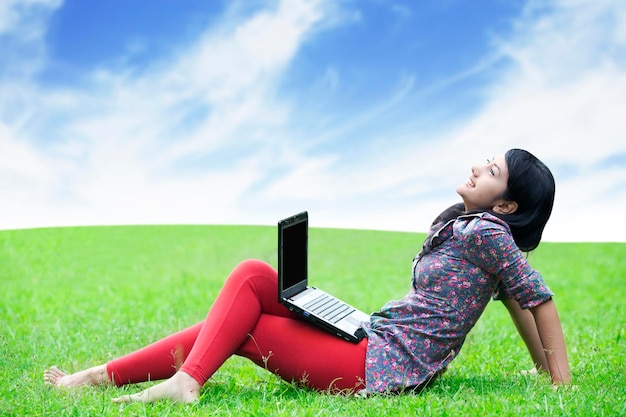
329	308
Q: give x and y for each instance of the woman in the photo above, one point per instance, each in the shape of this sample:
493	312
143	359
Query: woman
473	251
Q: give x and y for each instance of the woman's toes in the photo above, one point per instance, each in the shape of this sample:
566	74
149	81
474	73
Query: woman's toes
53	375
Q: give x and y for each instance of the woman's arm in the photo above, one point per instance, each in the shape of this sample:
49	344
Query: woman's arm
527	328
552	340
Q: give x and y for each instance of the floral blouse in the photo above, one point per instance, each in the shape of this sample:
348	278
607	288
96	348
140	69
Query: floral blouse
462	264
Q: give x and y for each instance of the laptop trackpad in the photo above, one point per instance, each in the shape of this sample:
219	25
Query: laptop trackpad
353	320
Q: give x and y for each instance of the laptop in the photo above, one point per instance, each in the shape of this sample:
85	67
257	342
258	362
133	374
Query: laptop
294	292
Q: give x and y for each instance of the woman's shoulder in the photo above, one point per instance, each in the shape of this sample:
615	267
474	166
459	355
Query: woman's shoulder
485	233
472	228
479	224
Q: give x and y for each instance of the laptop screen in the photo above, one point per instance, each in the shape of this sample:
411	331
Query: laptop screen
292	254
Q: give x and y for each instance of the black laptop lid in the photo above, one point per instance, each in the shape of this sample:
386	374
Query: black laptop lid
292	255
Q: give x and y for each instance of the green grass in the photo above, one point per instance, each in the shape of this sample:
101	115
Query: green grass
78	297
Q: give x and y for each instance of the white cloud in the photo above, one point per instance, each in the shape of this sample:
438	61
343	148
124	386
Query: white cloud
205	137
16	15
562	98
112	153
22	28
573	128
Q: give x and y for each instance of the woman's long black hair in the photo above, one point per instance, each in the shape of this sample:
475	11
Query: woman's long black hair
531	185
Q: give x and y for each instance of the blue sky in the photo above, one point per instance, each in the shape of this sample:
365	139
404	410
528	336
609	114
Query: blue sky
366	113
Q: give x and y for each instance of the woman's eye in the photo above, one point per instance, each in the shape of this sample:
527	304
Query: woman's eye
489	163
491	171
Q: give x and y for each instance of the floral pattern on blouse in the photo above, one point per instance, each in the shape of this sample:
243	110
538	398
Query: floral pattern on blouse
461	265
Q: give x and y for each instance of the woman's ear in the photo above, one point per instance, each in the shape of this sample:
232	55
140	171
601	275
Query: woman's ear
505	207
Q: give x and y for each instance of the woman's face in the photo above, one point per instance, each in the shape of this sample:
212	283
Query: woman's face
484	189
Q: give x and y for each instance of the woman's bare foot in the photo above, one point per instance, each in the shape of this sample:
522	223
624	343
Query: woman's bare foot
93	376
181	388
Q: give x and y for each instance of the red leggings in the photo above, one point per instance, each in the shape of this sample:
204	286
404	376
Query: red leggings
247	320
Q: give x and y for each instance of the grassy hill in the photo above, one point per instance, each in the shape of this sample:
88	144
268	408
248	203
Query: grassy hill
78	297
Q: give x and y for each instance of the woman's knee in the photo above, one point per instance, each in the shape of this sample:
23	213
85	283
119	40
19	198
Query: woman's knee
262	280
251	267
254	272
